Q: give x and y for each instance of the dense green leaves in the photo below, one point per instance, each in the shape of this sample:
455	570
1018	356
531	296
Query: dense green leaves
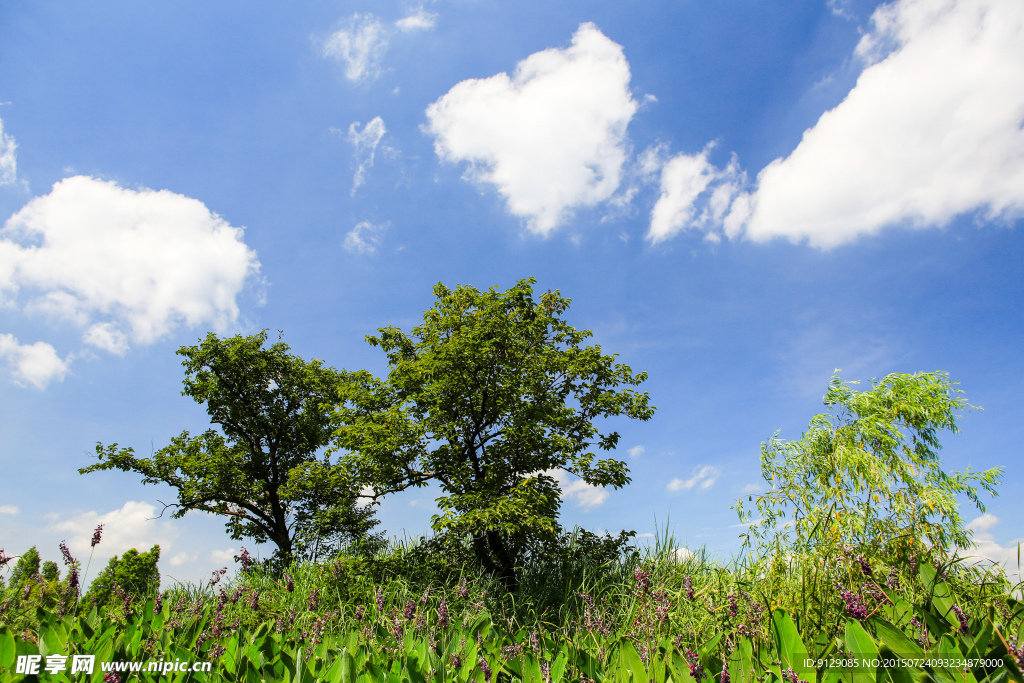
489	397
262	471
869	475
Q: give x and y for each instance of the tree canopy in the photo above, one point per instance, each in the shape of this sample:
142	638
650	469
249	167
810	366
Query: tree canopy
263	470
488	397
868	475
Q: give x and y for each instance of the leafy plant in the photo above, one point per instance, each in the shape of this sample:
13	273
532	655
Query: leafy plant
262	471
488	397
868	475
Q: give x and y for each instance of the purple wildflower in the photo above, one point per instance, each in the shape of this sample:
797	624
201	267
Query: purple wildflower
696	668
443	618
289	585
245	559
378	596
68	560
855	606
410	609
112	677
463	590
961	617
733	606
724	678
254	601
865	566
313	601
643	581
789	675
97	535
360	612
688	587
486	669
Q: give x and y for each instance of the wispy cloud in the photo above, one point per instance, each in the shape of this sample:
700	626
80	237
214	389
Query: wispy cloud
636	451
360	46
365	238
9	510
703	478
363	41
365	142
8	158
419	20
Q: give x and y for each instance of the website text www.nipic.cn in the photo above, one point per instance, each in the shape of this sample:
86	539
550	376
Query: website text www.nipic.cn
86	664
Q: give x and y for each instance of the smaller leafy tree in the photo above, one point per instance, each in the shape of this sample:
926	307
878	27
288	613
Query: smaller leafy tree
135	574
867	476
263	470
488	397
25	568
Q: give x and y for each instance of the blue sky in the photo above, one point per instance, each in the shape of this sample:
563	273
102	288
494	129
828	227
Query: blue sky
739	198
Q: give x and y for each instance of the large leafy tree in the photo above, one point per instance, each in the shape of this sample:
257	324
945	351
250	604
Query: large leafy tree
488	397
264	470
868	475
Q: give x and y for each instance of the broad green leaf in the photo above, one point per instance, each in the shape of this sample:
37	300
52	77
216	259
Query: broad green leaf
860	646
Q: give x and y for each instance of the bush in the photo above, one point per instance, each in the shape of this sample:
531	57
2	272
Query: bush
133	575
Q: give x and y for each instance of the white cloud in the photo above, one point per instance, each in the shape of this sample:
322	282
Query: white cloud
419	20
703	477
752	488
690	182
682	554
931	130
550	138
364	238
37	364
141	261
9	510
987	549
182	558
636	451
365	141
132	526
360	45
8	158
586	496
226	556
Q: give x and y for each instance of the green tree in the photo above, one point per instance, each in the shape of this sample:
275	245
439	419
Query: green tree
868	475
25	568
263	470
489	397
134	573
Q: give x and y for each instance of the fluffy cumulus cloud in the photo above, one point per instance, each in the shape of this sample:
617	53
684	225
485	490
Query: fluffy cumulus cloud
37	364
549	138
365	141
987	550
365	238
126	265
8	158
931	130
694	194
133	525
702	478
584	495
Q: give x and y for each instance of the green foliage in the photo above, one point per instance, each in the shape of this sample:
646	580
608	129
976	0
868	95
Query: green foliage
488	397
133	575
25	568
50	571
868	476
261	471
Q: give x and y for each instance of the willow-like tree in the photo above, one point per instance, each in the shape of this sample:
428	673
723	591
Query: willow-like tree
488	397
868	475
264	470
